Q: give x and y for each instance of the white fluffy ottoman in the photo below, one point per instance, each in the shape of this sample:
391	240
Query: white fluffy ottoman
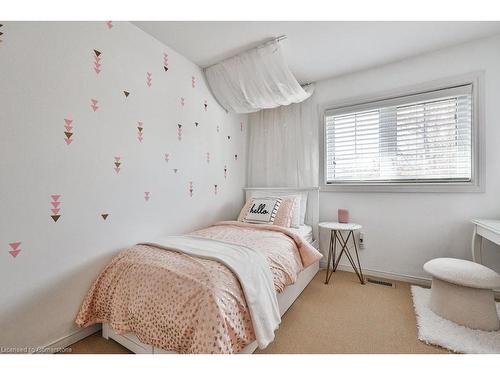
462	292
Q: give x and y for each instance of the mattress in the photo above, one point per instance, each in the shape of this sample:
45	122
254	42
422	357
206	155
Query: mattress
305	231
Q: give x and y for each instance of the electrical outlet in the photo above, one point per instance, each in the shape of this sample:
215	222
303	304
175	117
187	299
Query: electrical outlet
362	240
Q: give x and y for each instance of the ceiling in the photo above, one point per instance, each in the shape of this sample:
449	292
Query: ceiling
317	50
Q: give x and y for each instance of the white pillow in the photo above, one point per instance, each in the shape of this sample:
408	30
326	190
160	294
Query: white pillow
303	207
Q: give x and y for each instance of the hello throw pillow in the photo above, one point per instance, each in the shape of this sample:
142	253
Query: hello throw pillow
271	210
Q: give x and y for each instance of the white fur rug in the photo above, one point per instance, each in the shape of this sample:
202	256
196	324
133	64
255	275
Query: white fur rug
432	329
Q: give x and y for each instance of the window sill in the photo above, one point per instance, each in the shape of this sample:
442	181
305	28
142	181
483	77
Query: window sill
403	188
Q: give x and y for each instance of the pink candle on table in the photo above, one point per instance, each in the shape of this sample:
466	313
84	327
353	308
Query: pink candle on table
343	215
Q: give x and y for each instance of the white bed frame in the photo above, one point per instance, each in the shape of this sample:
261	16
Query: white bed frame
285	299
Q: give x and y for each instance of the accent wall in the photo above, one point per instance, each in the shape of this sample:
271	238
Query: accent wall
108	138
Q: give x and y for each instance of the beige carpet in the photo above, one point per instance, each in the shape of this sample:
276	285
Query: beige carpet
342	317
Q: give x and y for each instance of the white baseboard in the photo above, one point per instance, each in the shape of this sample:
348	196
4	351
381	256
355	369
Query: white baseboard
414	280
70	339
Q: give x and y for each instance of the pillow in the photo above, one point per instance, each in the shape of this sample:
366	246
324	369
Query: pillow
297	209
267	210
303	207
285	213
296	199
261	210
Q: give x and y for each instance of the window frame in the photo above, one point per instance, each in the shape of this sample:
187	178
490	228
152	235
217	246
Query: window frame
477	179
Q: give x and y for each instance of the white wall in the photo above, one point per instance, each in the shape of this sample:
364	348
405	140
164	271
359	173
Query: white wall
47	75
404	230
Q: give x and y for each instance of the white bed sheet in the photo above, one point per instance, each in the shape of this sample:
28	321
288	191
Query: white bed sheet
305	231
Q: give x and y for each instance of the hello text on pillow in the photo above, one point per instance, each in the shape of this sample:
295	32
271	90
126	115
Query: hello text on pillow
262	210
268	210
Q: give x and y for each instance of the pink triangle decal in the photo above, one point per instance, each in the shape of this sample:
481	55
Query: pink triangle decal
68	131
15	245
15	248
55	197
14	253
55	204
55	211
94	104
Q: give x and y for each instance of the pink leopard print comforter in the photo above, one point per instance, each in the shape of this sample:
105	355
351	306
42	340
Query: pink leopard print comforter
185	304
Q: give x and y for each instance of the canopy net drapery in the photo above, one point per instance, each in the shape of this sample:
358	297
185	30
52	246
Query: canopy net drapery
253	80
283	145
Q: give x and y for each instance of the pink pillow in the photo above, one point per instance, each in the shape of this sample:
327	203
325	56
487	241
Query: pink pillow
283	216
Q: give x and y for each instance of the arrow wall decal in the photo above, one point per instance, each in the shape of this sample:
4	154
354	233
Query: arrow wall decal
139	131
68	131
97	61
15	248
94	105
179	132
165	61
55	203
118	162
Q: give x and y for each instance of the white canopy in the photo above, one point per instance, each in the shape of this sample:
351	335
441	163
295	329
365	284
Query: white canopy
254	80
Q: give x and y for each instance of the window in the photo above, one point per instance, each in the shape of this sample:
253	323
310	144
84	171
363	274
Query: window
412	139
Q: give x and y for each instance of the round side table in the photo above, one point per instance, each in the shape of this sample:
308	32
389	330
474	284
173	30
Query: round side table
336	235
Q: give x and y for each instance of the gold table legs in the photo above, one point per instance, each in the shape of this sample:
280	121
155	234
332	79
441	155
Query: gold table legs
336	236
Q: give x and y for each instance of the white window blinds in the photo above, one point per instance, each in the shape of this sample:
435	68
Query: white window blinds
417	138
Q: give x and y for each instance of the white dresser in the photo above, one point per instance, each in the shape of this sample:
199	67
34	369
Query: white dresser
483	228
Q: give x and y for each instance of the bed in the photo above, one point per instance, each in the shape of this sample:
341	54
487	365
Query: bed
227	316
